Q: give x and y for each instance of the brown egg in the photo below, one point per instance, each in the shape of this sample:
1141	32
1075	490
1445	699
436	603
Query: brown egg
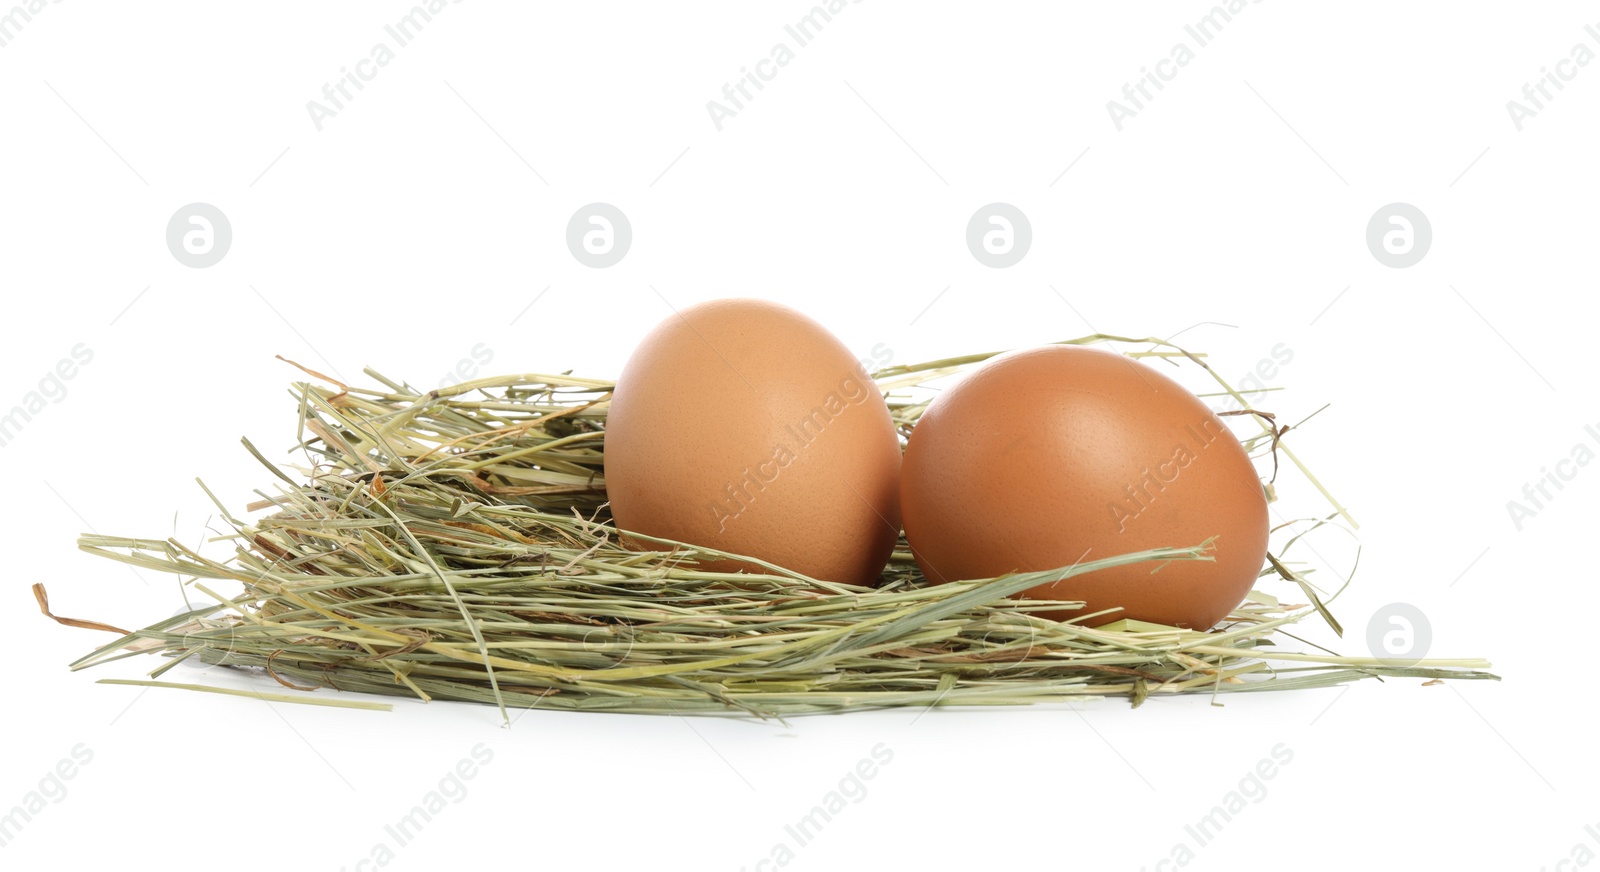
1046	456
745	426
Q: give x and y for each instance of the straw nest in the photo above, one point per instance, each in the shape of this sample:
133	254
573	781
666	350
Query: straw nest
455	544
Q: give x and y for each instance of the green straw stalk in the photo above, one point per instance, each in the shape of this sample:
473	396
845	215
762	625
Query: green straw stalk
455	544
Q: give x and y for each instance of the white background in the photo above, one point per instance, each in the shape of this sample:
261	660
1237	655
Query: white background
414	226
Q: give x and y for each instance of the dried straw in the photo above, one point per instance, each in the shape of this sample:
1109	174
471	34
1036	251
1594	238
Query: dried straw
455	544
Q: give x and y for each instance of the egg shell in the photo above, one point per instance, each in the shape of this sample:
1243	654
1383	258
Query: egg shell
1047	456
745	426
